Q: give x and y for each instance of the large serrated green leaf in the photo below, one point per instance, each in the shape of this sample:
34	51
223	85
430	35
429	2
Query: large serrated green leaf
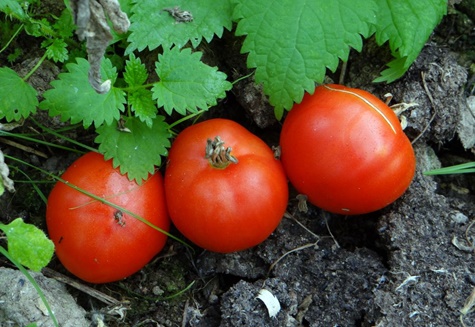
72	97
17	97
151	26
407	25
292	44
28	244
186	83
137	149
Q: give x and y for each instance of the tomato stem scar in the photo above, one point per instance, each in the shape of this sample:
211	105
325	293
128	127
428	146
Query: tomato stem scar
368	103
217	154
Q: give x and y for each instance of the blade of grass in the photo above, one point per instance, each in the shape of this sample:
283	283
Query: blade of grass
36	140
33	282
464	168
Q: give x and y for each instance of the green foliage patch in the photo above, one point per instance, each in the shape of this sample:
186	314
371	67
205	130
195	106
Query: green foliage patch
290	45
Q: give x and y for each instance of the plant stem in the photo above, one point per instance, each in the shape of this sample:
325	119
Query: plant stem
12	38
33	70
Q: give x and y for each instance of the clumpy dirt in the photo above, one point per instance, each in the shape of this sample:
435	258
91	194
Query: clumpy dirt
410	264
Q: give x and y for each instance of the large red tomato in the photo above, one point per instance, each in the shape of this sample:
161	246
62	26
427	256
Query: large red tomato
224	194
345	149
94	241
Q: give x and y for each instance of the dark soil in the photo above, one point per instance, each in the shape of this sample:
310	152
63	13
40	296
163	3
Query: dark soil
410	264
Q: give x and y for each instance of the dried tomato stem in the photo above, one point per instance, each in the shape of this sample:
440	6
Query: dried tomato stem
217	154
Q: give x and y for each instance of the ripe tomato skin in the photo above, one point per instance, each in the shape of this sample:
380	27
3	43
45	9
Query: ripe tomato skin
94	241
229	209
345	149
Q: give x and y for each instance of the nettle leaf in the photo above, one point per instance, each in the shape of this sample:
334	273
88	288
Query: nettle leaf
135	72
152	26
56	49
135	147
292	44
396	68
407	24
143	106
18	99
72	97
28	244
186	83
64	25
13	8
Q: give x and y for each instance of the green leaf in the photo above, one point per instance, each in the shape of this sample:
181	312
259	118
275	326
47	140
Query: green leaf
13	8
135	72
39	28
72	97
56	49
17	97
396	68
143	106
292	44
64	25
137	149
407	24
28	244
151	26
186	83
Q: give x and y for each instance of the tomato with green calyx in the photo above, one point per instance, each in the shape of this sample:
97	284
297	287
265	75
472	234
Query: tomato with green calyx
345	149
95	241
225	190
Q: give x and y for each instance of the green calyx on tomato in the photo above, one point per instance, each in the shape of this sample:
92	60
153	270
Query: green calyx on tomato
219	156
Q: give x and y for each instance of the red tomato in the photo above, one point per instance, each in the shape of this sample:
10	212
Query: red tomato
94	241
228	207
345	149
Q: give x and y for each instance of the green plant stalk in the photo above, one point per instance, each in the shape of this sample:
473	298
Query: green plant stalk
102	200
33	282
37	189
181	120
464	168
33	70
12	38
55	133
31	139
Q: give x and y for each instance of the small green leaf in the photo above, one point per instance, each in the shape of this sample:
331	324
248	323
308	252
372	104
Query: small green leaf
28	244
135	72
396	68
65	25
143	106
39	28
138	149
56	50
152	26
17	97
292	44
407	24
13	8
72	97
186	83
